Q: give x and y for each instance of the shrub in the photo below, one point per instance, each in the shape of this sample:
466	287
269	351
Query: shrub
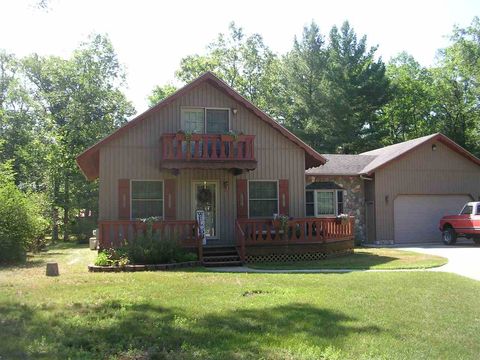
22	225
112	257
82	228
149	247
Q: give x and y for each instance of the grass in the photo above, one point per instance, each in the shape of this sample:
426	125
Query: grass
203	315
363	259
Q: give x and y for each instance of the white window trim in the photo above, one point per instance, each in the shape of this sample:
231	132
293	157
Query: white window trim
131	197
248	198
182	123
315	205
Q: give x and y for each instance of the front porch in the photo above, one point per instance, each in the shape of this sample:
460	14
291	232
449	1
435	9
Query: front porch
255	239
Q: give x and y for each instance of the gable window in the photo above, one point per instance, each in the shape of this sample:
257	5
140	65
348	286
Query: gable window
323	202
262	199
193	120
217	121
147	199
205	120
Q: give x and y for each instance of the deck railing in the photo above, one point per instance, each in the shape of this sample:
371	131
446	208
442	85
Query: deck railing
252	232
207	147
114	233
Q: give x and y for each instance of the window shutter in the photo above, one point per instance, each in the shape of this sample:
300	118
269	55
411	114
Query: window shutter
242	200
170	199
283	196
124	199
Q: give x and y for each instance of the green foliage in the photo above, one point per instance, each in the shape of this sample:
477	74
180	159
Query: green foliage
112	257
159	93
82	228
149	247
22	226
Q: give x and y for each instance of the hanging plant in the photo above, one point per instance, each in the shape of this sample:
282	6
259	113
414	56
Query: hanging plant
204	195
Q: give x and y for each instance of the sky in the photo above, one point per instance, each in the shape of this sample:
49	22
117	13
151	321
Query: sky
151	37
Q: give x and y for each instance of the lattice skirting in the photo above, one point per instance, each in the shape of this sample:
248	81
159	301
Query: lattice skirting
309	256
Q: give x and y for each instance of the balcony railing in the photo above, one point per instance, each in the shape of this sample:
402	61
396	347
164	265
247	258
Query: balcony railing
210	148
302	231
115	233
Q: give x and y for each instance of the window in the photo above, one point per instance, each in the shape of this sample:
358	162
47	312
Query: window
193	120
202	120
217	121
323	202
262	198
467	210
147	199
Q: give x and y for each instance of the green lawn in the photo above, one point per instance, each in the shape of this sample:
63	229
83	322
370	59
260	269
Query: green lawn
204	315
365	258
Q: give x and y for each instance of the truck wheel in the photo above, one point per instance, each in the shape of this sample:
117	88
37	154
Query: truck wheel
476	240
449	236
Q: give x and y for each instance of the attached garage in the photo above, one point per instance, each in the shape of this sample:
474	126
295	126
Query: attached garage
398	193
416	217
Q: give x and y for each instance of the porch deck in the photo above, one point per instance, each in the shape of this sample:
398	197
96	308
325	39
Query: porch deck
253	236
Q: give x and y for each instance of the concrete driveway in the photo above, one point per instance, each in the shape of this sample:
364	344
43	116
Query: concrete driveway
463	258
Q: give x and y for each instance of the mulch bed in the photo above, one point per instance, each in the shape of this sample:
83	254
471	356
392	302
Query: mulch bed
153	267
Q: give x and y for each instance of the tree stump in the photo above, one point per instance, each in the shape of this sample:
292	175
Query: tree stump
52	269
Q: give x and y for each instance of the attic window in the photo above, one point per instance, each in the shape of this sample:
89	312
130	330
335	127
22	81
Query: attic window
205	120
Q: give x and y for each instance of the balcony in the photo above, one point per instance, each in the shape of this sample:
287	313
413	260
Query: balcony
207	151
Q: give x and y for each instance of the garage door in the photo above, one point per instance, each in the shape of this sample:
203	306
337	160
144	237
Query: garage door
417	216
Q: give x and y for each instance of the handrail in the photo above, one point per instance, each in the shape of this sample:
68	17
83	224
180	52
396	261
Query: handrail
207	147
115	233
295	231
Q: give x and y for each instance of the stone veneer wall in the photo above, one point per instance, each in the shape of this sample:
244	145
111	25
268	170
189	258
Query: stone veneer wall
353	198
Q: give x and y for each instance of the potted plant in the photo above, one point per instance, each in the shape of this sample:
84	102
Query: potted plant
280	223
180	135
342	219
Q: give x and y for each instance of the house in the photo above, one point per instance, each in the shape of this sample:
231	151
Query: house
397	193
207	148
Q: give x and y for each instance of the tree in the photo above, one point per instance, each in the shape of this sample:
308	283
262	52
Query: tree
159	93
409	113
305	96
81	102
357	88
456	84
243	62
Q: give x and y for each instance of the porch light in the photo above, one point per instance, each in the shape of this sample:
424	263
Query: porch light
225	185
234	111
434	147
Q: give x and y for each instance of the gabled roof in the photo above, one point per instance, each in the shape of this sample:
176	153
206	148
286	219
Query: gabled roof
368	162
88	161
338	164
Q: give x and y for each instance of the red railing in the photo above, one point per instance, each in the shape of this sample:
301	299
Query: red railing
251	232
114	233
207	147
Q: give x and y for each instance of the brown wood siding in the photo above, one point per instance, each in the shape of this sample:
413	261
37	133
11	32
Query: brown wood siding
136	155
421	172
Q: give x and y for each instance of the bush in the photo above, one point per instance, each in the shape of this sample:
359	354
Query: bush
149	247
112	257
82	228
22	226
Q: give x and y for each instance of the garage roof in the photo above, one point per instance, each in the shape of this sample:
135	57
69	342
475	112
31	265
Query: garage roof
368	162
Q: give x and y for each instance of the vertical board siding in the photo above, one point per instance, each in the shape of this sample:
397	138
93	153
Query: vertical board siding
422	172
136	155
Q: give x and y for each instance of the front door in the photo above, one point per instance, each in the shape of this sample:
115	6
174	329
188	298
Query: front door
205	197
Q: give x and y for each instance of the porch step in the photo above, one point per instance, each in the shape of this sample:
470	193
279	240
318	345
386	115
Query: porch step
221	256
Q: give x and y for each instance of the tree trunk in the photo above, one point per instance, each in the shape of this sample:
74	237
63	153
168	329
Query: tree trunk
56	189
66	209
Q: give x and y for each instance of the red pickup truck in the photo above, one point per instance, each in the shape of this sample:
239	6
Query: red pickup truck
466	224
